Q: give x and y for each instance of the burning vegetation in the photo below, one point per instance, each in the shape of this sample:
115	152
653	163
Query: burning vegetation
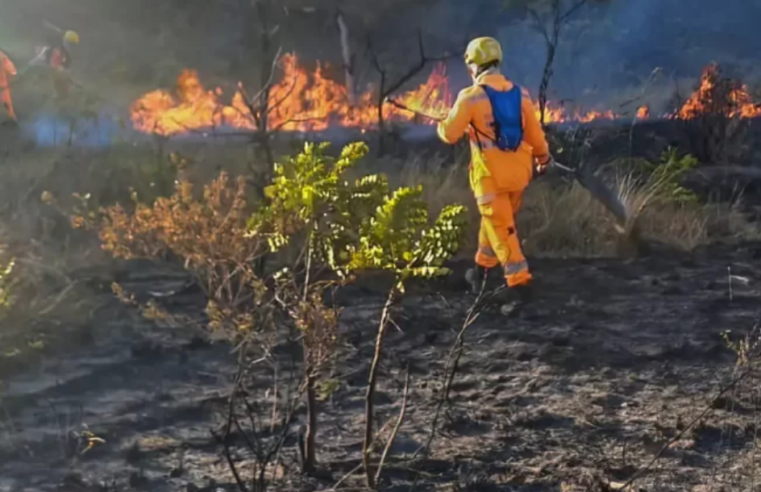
300	101
283	249
719	95
304	101
714	115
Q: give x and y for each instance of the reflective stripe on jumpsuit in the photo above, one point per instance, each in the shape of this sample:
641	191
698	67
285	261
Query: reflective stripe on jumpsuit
498	178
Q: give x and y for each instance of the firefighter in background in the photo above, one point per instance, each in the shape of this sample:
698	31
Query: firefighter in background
7	71
57	55
499	173
57	50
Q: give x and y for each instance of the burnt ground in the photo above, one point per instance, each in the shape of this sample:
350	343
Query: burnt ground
613	359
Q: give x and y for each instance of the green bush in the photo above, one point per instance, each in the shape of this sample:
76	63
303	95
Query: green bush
334	225
668	173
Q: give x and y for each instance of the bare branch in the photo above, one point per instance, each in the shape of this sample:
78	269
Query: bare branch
416	69
348	62
224	440
539	24
367	444
270	80
400	420
247	100
687	428
346	477
579	4
374	57
274	105
453	360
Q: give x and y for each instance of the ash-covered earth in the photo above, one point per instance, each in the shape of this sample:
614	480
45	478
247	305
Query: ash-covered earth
617	361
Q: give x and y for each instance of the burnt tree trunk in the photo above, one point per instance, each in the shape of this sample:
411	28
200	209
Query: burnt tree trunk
265	41
552	40
381	128
372	383
552	47
348	58
310	453
545	84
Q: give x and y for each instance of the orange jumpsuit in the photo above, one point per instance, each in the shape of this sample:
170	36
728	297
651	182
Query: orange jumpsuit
498	178
7	70
57	57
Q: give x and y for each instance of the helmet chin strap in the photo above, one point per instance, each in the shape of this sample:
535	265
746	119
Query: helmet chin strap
476	71
490	70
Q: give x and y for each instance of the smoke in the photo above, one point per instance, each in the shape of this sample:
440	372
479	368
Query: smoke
606	55
616	46
608	50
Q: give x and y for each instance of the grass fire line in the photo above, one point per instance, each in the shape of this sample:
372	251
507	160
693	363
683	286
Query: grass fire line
302	100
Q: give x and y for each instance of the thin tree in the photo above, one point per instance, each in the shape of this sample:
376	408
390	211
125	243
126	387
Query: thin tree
259	31
388	85
550	17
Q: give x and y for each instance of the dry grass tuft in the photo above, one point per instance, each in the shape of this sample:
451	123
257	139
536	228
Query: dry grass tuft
53	263
560	219
564	220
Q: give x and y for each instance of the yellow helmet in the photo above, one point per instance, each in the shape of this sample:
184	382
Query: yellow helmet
71	37
482	51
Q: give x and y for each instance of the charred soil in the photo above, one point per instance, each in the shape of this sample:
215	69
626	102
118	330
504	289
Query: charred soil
581	392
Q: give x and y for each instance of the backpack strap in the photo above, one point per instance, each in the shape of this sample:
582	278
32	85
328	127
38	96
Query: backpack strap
491	94
479	132
483	88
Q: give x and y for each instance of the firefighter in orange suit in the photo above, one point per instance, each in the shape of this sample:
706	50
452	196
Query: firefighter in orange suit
7	71
57	51
498	177
57	55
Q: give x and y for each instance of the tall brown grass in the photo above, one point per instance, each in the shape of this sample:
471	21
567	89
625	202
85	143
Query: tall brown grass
561	219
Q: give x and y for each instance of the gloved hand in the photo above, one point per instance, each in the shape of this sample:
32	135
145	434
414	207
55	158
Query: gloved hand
540	168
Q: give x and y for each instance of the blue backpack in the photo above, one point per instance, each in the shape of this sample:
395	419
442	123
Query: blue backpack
508	117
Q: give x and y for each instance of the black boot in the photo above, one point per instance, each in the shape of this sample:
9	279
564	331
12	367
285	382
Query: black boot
518	297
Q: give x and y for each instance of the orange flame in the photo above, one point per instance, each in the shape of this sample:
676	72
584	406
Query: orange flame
554	114
708	98
309	101
300	101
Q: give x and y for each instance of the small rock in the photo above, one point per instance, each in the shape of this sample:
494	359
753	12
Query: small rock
683	444
673	290
707	488
689	263
575	302
138	480
133	454
197	343
145	350
72	480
